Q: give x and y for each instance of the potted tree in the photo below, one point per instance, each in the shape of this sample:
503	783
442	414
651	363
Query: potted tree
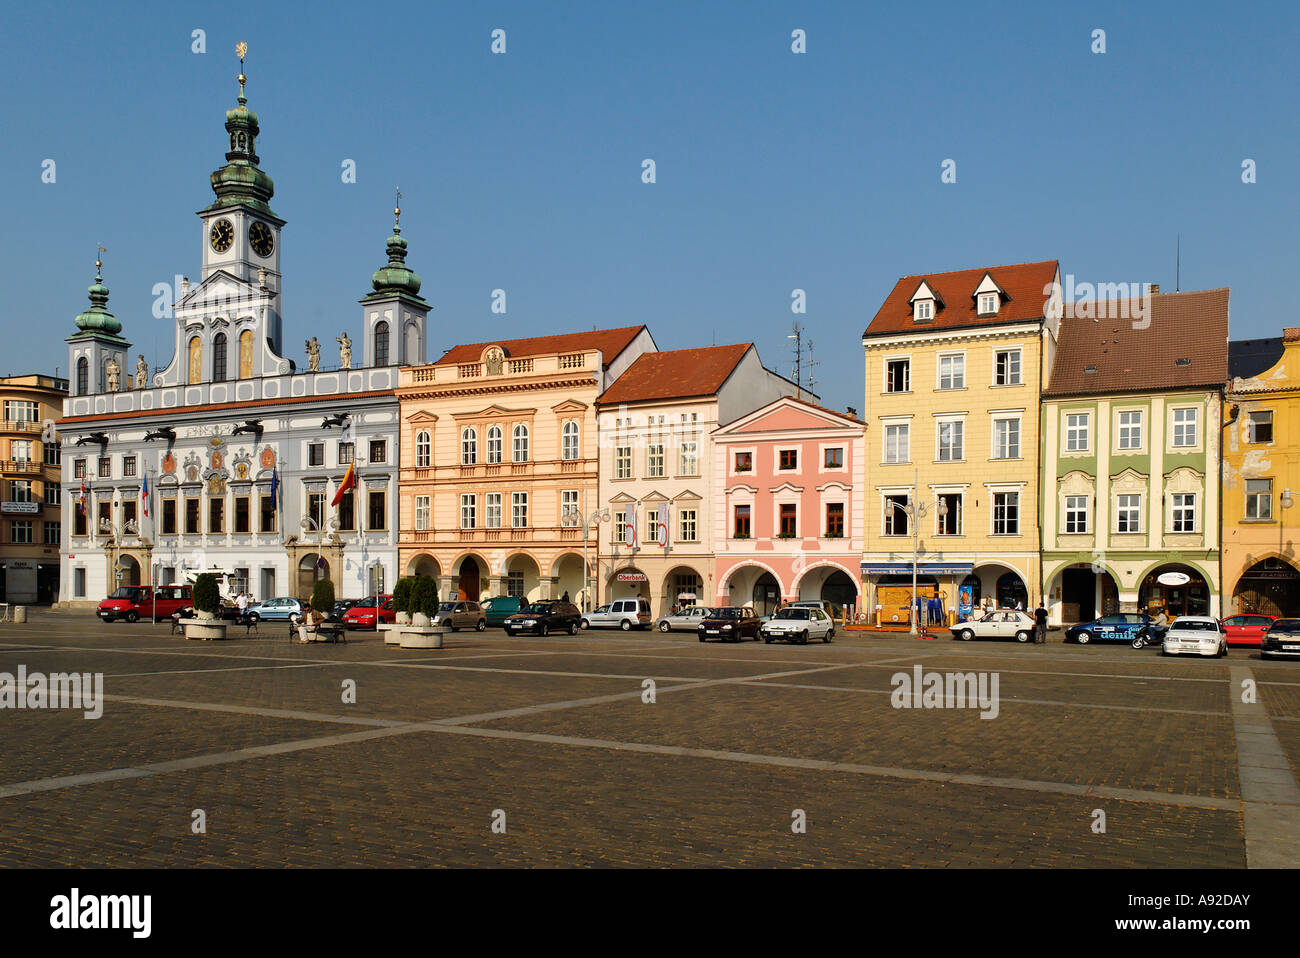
402	599
423	601
207	603
322	597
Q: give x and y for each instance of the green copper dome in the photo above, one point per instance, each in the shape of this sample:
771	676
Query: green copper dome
240	182
396	277
98	319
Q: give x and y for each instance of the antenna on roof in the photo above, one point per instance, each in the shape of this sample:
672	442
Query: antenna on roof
797	336
1178	263
812	364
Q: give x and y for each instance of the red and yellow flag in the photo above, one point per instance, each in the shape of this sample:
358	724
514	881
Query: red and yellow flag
349	482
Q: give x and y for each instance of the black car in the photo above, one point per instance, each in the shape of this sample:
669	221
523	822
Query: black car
730	624
340	607
1281	639
545	617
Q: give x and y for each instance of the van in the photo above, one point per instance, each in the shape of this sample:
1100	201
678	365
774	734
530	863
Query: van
497	608
625	614
136	602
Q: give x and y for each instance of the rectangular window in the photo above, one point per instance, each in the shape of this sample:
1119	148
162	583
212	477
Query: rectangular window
377	507
216	515
169	517
316	509
689	459
20	531
896	519
347	510
834	458
570	512
1006	513
52	532
468	511
952	371
53	494
924	311
422	504
53	453
347	450
128	466
1184	512
128	512
21	410
898	376
78	469
20	490
519	510
105	466
654	462
78	523
952	441
897	443
1006	367
789	459
1076	515
20	450
1077	429
105	515
79	583
378	450
988	304
268	514
744	462
789	515
1130	430
1185	427
623	462
740	522
192	517
1006	438
242	516
1128	514
948	516
1259	498
620	527
493	510
515	584
316	454
835	520
1259	426
687	525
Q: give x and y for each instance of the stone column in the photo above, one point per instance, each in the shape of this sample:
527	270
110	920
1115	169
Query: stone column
550	585
448	587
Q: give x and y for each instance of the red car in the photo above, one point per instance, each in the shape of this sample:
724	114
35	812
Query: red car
369	612
135	602
1247	628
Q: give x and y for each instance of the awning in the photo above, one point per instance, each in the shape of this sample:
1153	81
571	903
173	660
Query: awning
922	568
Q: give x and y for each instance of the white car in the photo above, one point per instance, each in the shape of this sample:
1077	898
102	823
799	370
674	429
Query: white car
1195	635
685	620
625	614
798	624
998	624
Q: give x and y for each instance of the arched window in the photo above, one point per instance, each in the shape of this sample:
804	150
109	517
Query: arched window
494	445
521	443
468	446
422	449
246	354
218	357
196	360
381	343
570	447
83	376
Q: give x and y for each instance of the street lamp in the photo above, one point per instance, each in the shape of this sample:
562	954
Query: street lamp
114	534
309	525
571	515
916	511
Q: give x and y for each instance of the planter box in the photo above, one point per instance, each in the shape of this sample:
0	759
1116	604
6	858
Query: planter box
392	633
207	630
429	637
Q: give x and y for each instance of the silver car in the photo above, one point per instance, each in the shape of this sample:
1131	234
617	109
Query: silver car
1195	635
998	624
798	624
460	615
686	620
625	614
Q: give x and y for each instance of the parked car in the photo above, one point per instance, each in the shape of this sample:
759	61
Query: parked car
730	624
1116	627
625	614
134	602
500	607
545	617
1248	628
277	609
832	609
684	620
340	609
1195	635
796	623
998	624
1281	639
460	615
369	612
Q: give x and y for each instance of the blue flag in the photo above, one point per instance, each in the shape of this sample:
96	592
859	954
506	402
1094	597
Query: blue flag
275	488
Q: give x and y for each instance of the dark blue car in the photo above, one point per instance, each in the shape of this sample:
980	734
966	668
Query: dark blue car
1117	627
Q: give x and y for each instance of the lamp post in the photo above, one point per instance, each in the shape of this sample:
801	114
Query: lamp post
114	534
915	511
572	514
309	525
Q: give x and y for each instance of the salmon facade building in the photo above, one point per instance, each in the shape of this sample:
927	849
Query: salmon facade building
499	462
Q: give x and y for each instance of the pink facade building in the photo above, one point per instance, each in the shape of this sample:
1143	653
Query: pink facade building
785	522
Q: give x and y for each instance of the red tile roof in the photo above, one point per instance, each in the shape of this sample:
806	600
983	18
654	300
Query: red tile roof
675	374
1023	284
610	342
1185	345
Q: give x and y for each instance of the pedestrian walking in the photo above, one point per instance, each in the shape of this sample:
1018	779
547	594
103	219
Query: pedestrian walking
1040	622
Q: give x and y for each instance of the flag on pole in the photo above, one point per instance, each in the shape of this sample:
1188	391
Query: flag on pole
275	488
144	497
81	500
349	482
661	528
630	526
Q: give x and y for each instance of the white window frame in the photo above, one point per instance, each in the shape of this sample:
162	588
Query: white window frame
1175	425
884	388
469	446
519	442
1019	355
423	513
1001	418
518	510
905	450
1267	500
655	460
892	515
957	380
1070	430
492	510
468	510
923	310
688	525
991	309
423	449
1120	510
495	445
570	440
1187	508
1082	510
1120	428
993	513
949	420
622	462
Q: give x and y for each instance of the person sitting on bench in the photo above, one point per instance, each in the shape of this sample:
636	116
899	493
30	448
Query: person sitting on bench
310	622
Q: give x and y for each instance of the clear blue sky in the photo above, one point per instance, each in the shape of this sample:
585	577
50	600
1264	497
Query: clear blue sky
775	171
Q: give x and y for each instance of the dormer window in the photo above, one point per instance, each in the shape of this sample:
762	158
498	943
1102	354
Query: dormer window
923	310
988	304
989	296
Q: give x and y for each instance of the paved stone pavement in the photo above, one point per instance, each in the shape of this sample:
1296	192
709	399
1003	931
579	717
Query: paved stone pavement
552	737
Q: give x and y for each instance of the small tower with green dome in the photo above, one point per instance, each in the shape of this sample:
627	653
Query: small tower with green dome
97	342
394	317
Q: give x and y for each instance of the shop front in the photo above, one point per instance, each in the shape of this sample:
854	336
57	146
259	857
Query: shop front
1177	589
939	592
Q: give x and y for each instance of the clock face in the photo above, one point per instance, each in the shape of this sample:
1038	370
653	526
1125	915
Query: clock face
261	239
222	235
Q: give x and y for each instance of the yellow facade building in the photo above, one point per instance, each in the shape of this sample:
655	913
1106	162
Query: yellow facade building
955	367
1261	476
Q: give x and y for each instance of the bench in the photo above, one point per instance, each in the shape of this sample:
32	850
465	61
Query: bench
334	630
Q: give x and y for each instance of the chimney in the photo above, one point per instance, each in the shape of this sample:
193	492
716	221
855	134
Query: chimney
1153	288
850	411
1291	334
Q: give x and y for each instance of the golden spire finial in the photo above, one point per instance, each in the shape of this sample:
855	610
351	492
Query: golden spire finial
241	48
99	263
397	209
